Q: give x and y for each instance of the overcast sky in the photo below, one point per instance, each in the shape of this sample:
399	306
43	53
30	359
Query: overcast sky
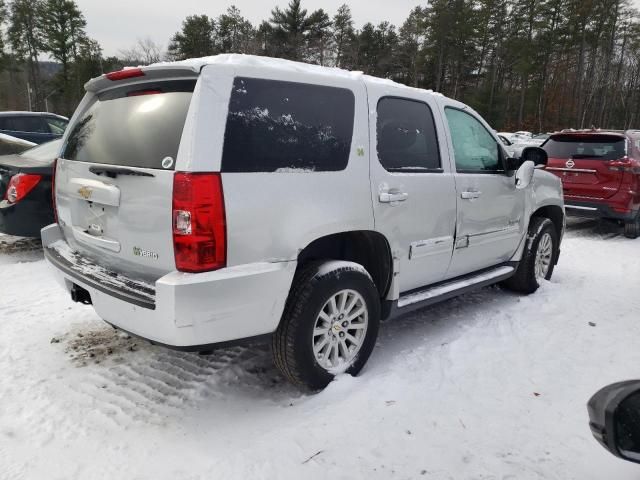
117	24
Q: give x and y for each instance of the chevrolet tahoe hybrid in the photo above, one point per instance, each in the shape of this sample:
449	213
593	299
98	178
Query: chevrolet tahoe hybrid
230	198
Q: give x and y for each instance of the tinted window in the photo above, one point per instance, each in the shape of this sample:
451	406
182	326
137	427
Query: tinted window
284	126
136	128
57	126
598	147
406	136
30	124
474	148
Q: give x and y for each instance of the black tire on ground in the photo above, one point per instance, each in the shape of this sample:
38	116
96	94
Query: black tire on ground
632	228
312	287
524	280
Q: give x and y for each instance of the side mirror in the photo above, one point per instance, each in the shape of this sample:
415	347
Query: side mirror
511	164
536	155
524	175
614	418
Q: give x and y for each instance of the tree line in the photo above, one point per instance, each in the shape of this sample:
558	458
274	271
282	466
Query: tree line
538	65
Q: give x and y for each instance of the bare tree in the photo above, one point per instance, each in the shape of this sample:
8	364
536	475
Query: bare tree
144	52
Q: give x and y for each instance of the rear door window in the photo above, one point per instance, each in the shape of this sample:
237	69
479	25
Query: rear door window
596	147
407	138
136	126
278	126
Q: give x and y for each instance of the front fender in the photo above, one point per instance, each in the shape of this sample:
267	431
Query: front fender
545	191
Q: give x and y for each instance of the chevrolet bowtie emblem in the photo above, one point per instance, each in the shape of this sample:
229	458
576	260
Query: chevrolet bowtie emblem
85	192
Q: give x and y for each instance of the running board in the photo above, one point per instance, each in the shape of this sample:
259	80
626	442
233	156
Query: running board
453	288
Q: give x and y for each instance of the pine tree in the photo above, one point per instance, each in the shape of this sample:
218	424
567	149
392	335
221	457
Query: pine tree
235	34
411	41
63	32
318	37
195	39
3	18
344	38
290	27
25	37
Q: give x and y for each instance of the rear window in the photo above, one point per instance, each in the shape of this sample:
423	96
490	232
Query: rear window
24	123
597	147
137	126
276	126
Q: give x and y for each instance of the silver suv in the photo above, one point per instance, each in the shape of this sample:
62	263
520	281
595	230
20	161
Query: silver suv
231	198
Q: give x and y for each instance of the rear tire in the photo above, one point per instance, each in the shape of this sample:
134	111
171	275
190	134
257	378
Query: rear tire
632	228
312	326
538	259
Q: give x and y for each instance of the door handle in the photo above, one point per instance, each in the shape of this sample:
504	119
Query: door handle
392	197
470	194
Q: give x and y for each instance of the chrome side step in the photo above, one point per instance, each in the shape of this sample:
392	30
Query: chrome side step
450	289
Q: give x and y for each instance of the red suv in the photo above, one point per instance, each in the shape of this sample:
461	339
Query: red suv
600	173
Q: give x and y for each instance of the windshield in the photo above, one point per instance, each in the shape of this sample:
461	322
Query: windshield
599	147
46	151
139	126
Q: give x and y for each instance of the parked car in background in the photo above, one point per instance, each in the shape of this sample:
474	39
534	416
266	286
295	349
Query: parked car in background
522	142
523	134
33	126
538	139
10	145
600	173
277	210
25	190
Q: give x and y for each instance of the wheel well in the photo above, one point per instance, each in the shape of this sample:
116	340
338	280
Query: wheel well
369	249
553	213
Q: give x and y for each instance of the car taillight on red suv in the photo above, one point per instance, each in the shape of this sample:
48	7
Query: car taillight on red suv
625	164
199	229
20	185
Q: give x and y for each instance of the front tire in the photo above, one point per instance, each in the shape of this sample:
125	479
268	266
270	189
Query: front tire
538	259
330	324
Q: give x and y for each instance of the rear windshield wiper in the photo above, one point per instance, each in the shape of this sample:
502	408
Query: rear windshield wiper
113	172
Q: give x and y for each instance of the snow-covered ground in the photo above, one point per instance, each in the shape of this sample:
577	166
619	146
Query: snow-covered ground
488	386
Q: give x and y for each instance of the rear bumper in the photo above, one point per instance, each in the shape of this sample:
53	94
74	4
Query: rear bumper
180	310
591	209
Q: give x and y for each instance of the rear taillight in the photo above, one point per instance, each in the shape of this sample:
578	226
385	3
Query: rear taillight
124	74
20	185
625	164
53	191
199	230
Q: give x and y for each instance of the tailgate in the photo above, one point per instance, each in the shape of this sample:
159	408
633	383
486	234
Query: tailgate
583	163
114	182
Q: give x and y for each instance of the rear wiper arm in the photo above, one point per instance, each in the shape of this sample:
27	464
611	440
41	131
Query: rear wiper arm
113	172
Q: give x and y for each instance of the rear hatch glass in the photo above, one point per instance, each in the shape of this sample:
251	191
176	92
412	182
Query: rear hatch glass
115	178
582	163
135	127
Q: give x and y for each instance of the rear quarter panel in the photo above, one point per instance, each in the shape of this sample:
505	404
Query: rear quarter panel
273	216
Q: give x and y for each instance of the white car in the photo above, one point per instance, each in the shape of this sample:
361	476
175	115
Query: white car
236	198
